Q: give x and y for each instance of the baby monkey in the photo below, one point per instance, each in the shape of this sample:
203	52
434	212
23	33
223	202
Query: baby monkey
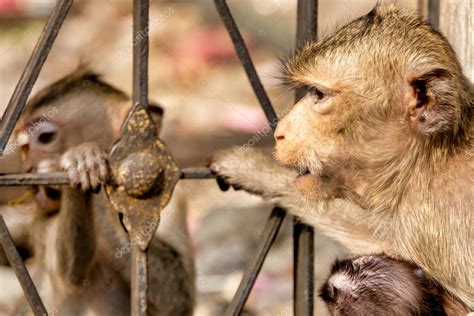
381	285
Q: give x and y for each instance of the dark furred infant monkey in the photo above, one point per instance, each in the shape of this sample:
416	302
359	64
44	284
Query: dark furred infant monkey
380	285
81	248
390	112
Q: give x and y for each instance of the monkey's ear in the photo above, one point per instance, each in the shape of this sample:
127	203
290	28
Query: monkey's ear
432	102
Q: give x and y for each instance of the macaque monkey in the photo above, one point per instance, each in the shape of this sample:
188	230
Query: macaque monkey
388	113
82	250
380	285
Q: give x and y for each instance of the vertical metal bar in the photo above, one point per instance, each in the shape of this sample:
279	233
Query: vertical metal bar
141	30
303	235
267	237
30	73
21	272
139	281
246	61
433	13
303	269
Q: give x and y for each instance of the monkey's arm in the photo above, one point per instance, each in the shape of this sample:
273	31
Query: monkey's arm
256	172
76	241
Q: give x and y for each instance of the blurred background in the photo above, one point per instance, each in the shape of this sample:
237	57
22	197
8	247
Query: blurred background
209	105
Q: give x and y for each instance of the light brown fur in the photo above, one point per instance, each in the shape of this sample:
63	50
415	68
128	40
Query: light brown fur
390	111
82	251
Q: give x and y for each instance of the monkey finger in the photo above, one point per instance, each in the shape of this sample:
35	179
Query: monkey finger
100	162
83	174
69	164
224	186
103	170
74	178
92	166
94	179
237	187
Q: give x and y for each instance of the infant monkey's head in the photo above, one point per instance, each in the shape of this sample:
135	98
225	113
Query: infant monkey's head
380	285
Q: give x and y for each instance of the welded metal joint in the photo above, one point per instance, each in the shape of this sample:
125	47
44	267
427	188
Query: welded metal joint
144	175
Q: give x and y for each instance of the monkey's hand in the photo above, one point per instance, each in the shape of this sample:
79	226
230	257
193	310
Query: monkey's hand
254	171
86	166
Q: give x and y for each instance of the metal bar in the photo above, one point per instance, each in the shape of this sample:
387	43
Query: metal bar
246	61
30	73
433	13
303	235
141	30
21	272
277	216
139	281
267	237
303	268
60	178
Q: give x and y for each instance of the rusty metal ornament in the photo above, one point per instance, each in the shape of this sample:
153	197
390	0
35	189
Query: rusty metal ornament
144	176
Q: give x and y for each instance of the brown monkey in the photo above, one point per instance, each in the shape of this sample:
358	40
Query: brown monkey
380	285
389	111
81	247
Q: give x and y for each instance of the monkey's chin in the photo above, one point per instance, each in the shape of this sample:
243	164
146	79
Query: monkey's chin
305	184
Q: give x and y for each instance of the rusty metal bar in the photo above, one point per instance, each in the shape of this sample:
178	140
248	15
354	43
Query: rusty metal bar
139	284
246	61
59	178
29	289
303	235
141	30
303	269
433	13
277	216
267	237
30	73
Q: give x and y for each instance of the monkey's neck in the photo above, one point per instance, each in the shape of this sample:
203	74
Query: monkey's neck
409	167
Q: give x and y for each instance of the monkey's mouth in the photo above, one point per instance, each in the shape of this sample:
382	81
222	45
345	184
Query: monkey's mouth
303	172
47	198
48	192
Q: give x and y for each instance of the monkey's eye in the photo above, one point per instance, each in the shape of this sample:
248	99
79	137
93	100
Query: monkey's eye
46	138
45	132
316	93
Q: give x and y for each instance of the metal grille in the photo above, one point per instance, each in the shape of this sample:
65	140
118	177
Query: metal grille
303	234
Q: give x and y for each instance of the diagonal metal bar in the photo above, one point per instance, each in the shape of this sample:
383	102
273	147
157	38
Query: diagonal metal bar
303	235
141	30
272	226
277	216
21	272
33	67
246	61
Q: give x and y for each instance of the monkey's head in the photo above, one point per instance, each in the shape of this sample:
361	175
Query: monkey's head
380	285
383	83
77	109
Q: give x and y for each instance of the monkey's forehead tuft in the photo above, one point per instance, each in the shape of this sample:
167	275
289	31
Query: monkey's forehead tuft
81	78
398	34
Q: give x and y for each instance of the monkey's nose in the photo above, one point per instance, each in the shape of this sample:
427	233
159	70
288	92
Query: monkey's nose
278	135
